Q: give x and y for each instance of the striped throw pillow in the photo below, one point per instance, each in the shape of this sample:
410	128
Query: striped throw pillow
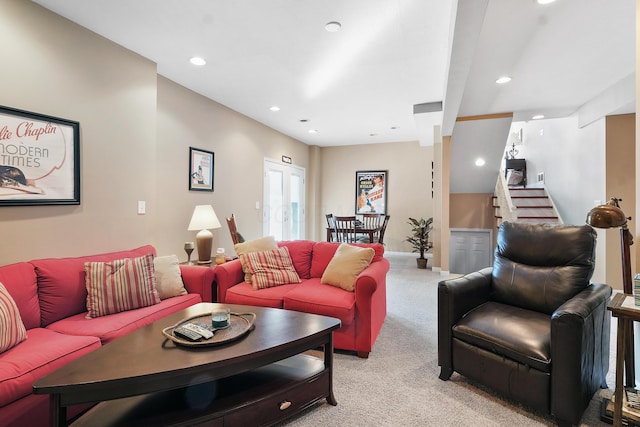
12	329
120	285
271	268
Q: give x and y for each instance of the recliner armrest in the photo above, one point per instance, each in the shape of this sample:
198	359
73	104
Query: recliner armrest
580	330
455	298
458	296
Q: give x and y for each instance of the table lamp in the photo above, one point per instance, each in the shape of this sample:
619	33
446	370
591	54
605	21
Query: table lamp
610	215
204	219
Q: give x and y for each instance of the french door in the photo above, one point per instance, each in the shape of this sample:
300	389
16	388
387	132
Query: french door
283	201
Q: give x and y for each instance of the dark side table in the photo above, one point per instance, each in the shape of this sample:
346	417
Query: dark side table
622	306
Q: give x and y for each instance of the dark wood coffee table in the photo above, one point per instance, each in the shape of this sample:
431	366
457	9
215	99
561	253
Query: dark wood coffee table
143	379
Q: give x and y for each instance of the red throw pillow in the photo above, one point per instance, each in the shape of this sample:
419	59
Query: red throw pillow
12	329
120	285
271	268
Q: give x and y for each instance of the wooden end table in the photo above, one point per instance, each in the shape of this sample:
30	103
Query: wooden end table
622	306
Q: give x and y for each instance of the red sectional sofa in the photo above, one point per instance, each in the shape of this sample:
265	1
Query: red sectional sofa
361	312
51	297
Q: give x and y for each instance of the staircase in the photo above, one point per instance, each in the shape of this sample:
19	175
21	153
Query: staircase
532	205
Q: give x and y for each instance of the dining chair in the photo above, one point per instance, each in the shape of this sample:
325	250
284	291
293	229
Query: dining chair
345	228
235	236
330	226
379	237
371	220
383	229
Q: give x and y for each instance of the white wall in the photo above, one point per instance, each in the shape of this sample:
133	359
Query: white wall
408	184
573	162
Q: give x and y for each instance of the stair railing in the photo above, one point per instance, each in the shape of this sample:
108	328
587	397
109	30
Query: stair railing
508	211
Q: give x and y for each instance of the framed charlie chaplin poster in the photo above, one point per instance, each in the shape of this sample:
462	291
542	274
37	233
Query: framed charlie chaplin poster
39	159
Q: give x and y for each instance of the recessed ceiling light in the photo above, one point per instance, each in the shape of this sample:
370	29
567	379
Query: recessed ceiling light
394	127
504	79
373	134
545	1
274	108
313	131
333	26
304	120
480	161
538	117
196	60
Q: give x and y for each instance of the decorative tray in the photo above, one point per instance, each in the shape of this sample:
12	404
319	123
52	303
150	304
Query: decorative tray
239	325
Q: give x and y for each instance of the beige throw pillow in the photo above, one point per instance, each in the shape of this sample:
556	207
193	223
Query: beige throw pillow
346	264
258	245
168	277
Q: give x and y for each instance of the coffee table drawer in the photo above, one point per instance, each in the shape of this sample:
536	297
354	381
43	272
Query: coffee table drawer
283	404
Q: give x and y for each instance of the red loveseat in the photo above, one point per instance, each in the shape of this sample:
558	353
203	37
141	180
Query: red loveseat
51	297
361	313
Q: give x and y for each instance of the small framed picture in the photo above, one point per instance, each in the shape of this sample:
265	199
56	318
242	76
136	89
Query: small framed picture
371	192
200	169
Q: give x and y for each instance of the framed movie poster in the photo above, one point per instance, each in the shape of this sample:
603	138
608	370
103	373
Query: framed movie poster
200	169
39	159
371	192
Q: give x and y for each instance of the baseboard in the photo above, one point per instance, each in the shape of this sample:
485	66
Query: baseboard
411	254
440	270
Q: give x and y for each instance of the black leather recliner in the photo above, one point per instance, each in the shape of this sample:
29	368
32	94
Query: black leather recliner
532	327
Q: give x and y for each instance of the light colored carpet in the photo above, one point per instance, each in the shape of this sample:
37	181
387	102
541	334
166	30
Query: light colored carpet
398	384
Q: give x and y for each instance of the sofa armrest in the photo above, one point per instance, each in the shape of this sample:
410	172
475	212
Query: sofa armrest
455	298
580	330
227	275
198	279
371	303
368	280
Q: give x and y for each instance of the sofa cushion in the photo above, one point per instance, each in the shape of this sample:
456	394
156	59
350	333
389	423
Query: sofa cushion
120	285
270	268
12	330
168	276
61	282
112	326
262	244
323	253
311	296
37	356
301	252
346	264
20	281
244	293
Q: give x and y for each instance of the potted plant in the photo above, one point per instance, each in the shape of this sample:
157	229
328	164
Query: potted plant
419	238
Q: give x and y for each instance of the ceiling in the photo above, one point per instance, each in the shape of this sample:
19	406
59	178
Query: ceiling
359	85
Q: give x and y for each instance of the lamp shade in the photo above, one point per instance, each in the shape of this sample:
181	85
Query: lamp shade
608	215
203	218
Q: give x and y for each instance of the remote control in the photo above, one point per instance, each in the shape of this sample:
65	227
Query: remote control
203	325
206	333
188	334
193	332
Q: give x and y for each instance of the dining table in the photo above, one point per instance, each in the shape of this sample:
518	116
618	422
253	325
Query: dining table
360	229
